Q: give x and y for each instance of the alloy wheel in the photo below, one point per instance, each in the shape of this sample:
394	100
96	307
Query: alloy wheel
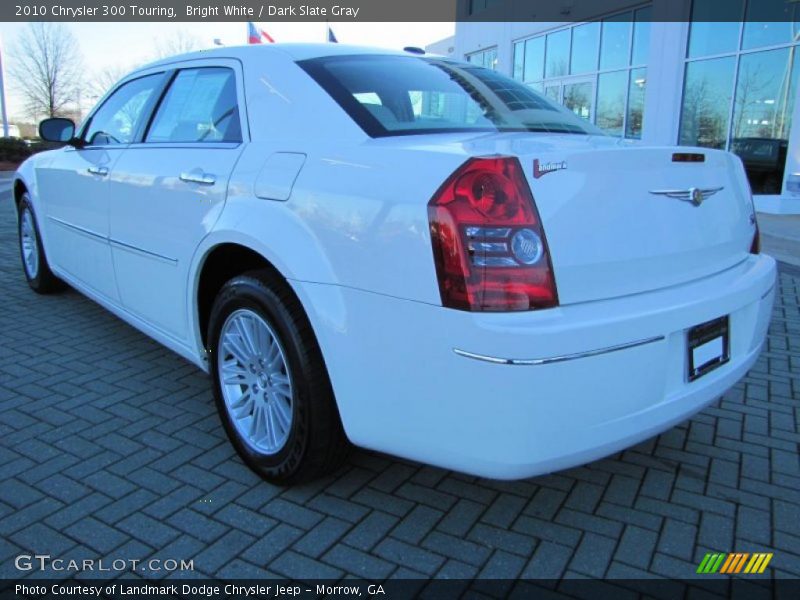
30	246
255	381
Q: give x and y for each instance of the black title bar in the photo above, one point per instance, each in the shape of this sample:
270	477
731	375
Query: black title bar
754	588
389	10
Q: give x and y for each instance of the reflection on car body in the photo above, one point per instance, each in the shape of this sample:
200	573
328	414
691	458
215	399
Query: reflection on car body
361	246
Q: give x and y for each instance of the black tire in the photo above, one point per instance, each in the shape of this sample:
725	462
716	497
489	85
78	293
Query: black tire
316	443
42	281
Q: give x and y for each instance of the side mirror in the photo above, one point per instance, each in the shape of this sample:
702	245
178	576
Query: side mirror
57	130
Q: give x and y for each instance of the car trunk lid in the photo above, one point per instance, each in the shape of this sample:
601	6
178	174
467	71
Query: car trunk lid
626	220
613	225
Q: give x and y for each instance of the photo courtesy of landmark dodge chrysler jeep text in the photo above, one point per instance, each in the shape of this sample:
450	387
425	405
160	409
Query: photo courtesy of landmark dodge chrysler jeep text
403	252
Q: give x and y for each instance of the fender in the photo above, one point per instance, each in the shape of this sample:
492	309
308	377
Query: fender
325	305
26	173
285	243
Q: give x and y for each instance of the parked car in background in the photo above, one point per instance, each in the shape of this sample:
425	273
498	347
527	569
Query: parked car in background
409	253
13	131
764	161
12	152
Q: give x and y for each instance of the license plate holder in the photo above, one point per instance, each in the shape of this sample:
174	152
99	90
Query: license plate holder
708	346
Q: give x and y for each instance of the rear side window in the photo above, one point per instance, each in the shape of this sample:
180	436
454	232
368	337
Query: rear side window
116	121
397	95
199	106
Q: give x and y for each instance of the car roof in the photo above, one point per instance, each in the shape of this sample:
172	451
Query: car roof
292	51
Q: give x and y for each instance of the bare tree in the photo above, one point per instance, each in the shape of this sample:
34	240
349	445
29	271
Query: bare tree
179	43
704	117
103	79
750	110
46	66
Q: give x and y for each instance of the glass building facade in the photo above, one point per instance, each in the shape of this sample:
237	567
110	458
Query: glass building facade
484	58
728	84
739	88
596	69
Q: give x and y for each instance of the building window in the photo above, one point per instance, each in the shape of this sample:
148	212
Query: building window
585	44
611	88
557	54
617	32
635	115
533	69
706	102
484	58
641	36
596	69
739	85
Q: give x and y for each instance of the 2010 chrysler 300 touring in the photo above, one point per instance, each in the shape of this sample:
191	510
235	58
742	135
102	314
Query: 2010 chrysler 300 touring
413	254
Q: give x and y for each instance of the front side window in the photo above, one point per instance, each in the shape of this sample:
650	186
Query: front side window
199	107
116	121
436	96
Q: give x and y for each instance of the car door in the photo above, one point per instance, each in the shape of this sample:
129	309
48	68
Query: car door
169	188
74	190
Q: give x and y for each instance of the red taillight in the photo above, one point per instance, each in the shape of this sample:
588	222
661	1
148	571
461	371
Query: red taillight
488	242
755	247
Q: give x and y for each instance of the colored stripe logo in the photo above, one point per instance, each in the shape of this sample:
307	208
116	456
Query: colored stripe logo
734	562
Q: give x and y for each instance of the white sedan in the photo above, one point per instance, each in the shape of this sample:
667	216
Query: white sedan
403	252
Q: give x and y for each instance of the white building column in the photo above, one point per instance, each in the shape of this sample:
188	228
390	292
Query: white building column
788	203
662	113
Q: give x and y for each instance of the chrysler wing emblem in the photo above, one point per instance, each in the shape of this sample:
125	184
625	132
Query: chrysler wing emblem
693	195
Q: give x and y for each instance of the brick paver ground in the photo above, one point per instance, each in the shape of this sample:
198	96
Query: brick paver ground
110	447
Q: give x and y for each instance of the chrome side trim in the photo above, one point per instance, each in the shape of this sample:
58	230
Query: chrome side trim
555	359
113	242
147	253
88	232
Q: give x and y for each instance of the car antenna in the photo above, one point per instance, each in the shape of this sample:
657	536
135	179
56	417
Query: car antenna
414	50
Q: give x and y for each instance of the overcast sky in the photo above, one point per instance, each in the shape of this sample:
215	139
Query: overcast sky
127	44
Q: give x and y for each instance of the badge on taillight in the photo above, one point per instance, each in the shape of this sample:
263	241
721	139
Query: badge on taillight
540	170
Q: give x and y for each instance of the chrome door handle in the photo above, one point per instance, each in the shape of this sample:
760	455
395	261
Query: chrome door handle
101	171
202	179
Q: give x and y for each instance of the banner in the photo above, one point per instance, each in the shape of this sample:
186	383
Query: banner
367	10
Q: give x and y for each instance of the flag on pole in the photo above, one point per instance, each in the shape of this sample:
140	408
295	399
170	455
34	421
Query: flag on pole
255	36
266	36
331	36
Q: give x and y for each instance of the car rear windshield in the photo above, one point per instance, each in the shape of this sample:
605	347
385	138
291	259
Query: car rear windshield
402	95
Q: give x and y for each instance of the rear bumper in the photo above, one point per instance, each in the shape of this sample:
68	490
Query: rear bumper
620	377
